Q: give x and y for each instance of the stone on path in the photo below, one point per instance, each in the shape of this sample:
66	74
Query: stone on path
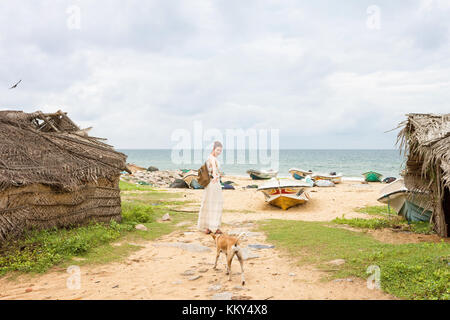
215	287
166	217
141	227
188	273
260	246
177	282
223	296
247	254
194	277
292	274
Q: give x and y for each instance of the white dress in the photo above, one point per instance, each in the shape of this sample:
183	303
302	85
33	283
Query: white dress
210	214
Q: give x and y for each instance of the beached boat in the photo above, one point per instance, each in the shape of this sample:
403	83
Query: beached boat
372	176
285	193
262	174
408	204
335	178
299	174
394	194
414	212
189	176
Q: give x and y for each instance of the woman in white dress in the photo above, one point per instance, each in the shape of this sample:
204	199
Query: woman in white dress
210	215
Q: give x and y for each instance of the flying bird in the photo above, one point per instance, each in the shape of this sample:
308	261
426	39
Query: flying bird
15	86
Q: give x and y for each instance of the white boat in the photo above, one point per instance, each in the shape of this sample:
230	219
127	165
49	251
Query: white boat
262	174
337	178
394	194
285	193
189	176
409	204
299	174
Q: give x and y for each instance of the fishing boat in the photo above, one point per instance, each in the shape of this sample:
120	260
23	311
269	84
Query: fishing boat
189	176
335	178
299	174
372	176
408	204
262	174
413	212
394	195
285	193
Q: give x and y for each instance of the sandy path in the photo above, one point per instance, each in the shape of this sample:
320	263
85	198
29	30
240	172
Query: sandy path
155	271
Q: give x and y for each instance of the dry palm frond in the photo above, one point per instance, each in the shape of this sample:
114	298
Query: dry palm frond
53	175
425	140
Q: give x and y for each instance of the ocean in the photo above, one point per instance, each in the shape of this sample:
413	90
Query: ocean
351	163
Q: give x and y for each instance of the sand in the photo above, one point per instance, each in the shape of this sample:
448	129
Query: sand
179	265
325	203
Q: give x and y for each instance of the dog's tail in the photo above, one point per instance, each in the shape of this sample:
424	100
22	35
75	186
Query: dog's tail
240	236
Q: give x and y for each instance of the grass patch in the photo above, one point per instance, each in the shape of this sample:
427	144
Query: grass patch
410	271
394	222
377	223
376	210
37	251
127	186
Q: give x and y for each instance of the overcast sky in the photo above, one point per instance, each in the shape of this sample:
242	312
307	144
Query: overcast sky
328	74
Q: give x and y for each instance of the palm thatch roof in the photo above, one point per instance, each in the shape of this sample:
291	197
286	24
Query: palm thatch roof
52	174
50	149
425	138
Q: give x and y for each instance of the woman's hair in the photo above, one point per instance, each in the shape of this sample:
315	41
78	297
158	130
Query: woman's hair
217	144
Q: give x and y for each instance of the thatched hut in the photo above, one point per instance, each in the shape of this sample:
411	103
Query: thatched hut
52	174
426	141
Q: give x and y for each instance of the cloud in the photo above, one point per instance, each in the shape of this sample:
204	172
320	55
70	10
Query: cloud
138	71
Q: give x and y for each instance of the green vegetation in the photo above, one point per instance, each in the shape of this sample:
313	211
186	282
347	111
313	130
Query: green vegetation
126	186
37	251
377	210
377	223
411	271
392	222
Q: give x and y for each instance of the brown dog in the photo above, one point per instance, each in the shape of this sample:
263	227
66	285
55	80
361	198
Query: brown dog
230	246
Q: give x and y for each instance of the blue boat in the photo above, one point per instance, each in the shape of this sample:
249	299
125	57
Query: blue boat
299	174
414	213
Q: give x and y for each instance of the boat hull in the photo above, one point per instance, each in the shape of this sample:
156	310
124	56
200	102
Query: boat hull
286	202
372	176
334	179
395	200
189	177
414	213
394	195
259	177
285	197
299	174
262	175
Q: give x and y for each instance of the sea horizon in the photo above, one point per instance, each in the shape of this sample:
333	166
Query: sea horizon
350	162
